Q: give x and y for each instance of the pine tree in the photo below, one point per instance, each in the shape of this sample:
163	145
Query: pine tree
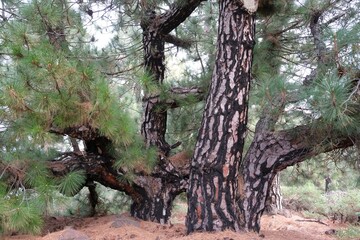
59	91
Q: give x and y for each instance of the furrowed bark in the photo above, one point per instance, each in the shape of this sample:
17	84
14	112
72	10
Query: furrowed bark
155	31
273	204
98	168
158	192
271	152
153	127
213	176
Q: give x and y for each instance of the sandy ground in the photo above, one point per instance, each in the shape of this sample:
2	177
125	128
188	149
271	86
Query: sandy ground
119	227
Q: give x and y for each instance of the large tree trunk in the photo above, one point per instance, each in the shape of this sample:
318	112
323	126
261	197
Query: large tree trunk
271	152
158	196
214	168
268	154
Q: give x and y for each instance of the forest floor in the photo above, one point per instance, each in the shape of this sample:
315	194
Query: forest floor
118	227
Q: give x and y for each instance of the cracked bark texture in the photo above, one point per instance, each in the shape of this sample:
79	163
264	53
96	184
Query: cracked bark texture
271	152
159	190
156	28
214	166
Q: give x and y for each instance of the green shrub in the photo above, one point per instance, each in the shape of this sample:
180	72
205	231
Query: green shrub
342	206
352	232
305	198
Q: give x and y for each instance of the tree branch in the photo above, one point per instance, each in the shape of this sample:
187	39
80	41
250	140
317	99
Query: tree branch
177	14
97	168
307	141
320	47
86	133
179	95
178	42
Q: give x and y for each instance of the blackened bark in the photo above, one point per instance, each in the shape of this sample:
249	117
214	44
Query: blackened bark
155	31
214	167
157	190
99	146
158	195
152	195
97	168
153	127
271	152
258	171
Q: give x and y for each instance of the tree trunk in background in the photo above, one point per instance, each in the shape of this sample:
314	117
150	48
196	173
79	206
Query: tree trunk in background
273	204
214	168
153	126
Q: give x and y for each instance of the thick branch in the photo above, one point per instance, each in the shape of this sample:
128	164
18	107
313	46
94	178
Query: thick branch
177	14
179	95
85	133
308	141
97	168
274	151
178	42
271	152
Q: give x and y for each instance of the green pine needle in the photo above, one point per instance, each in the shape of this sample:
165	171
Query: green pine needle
72	183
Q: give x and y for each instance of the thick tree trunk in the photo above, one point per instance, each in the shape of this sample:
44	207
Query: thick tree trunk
158	196
258	171
152	195
158	192
214	167
271	152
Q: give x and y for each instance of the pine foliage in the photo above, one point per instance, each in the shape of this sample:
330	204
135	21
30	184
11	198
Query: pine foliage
72	183
53	78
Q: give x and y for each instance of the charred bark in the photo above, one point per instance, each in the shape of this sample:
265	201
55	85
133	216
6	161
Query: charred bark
152	195
271	152
157	190
153	127
158	195
93	197
155	32
213	176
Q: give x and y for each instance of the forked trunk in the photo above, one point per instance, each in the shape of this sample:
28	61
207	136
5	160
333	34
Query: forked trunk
268	154
214	168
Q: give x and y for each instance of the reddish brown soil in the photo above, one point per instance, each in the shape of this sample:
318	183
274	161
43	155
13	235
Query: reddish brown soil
276	227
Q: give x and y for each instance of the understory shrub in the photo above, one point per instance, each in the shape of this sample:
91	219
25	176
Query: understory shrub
342	206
